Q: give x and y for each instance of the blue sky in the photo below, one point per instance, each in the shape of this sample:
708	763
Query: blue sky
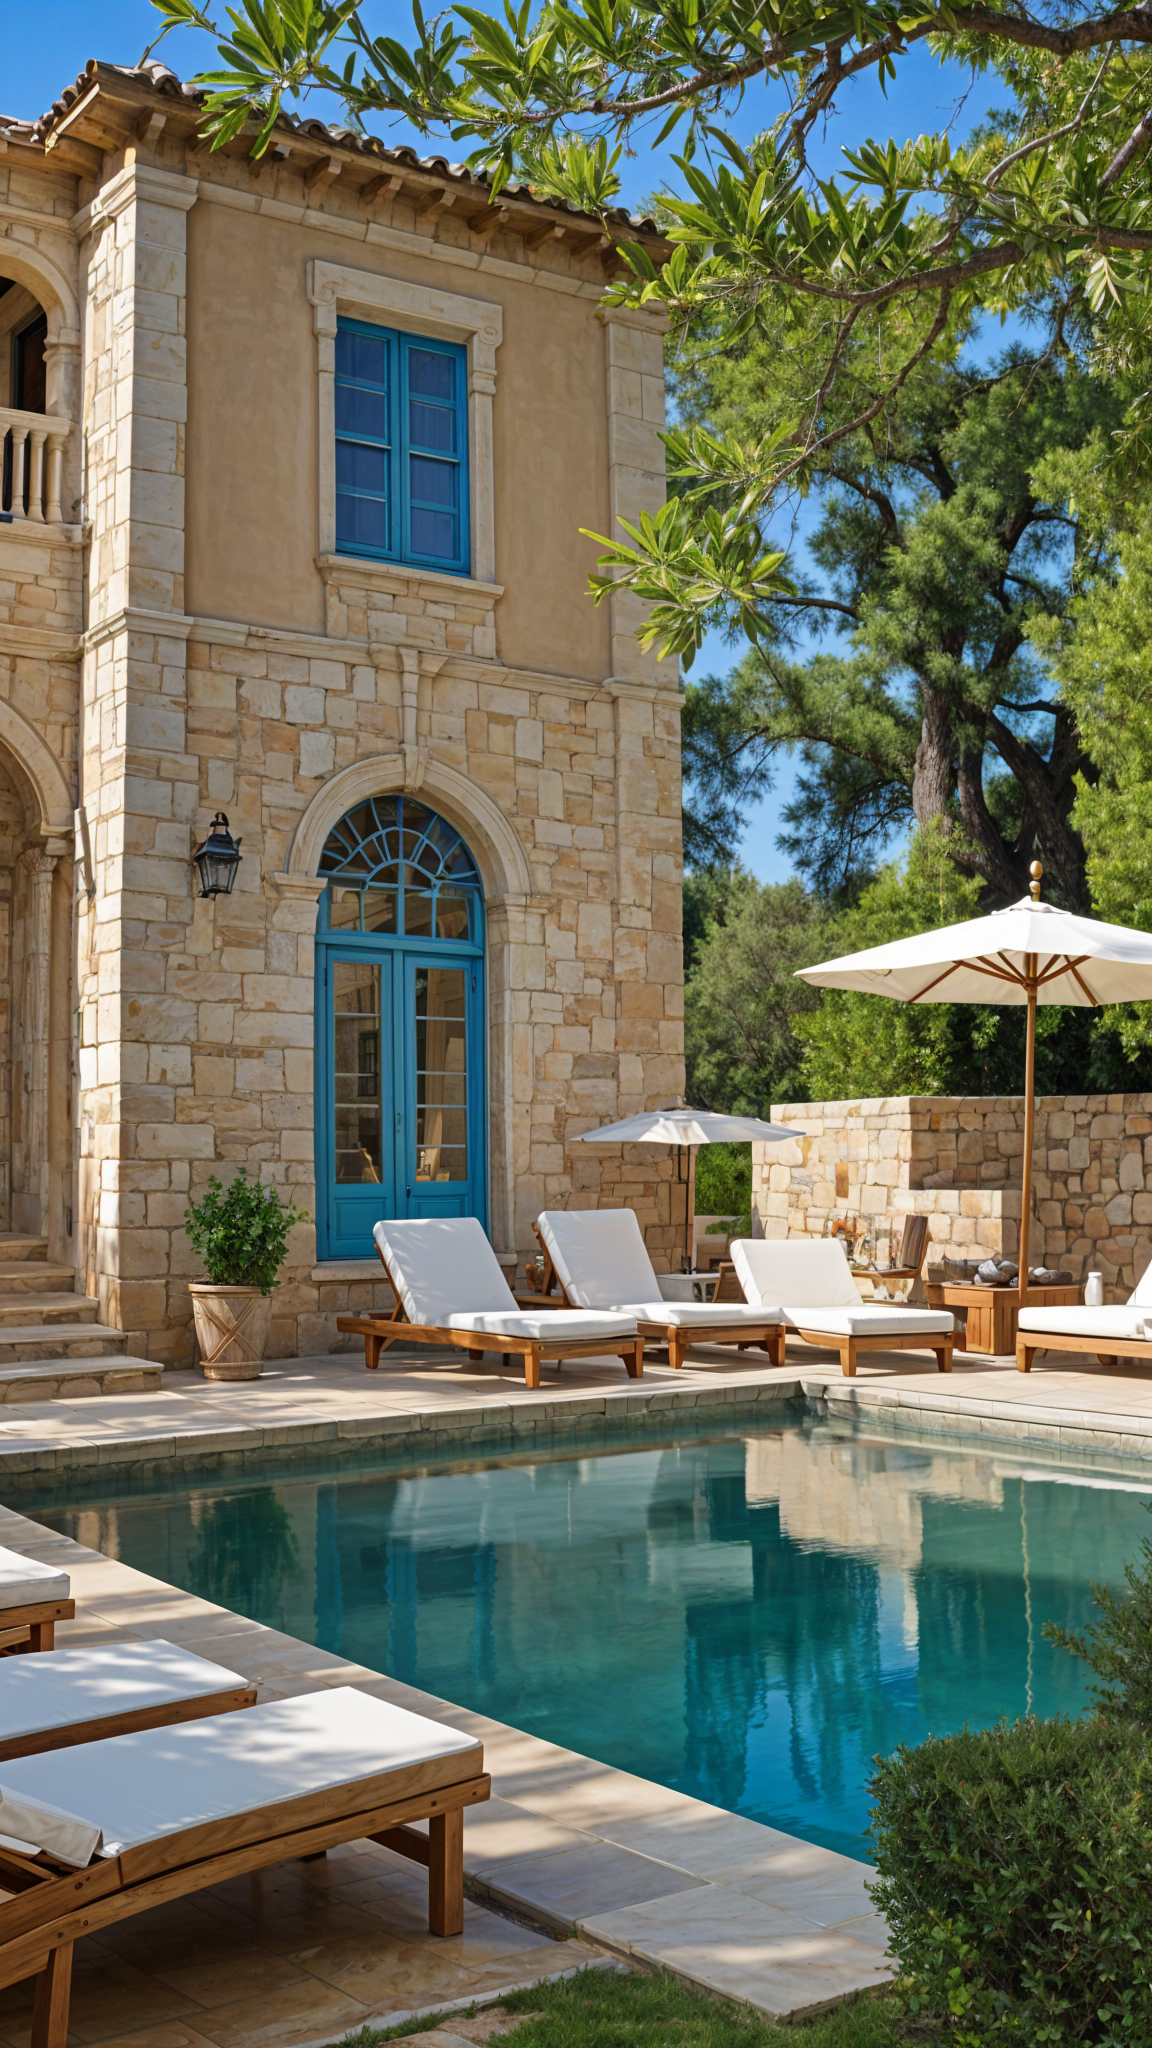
47	43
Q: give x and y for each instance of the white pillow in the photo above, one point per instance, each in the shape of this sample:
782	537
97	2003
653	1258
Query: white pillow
442	1266
599	1255
801	1272
49	1828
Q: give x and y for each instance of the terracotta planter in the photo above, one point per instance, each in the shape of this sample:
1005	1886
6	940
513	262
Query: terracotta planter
232	1325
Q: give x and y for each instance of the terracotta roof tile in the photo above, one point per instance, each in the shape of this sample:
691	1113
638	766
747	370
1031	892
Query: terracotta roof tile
158	78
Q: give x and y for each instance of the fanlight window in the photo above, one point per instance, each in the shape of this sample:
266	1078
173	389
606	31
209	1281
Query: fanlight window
398	870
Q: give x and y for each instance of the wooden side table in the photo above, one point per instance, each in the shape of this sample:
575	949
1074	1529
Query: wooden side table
990	1324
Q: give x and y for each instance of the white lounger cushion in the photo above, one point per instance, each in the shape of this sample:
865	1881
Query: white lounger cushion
136	1788
871	1319
811	1277
444	1266
600	1258
1121	1321
814	1271
563	1326
63	1687
599	1255
683	1315
25	1582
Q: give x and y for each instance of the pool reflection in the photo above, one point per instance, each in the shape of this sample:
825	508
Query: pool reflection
750	1620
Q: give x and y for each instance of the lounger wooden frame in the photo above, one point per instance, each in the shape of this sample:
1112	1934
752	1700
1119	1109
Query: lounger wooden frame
1029	1342
849	1348
128	1721
766	1336
32	1628
380	1331
55	1906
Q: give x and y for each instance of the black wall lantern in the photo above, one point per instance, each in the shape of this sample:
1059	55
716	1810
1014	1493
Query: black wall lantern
217	860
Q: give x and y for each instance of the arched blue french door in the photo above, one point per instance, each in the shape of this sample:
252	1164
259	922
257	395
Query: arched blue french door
400	1094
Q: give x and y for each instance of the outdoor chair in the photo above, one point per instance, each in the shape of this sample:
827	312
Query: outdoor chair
823	1304
108	1830
103	1689
597	1259
33	1598
1112	1332
450	1290
912	1254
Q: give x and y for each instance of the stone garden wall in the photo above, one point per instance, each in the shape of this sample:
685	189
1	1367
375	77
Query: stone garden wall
957	1160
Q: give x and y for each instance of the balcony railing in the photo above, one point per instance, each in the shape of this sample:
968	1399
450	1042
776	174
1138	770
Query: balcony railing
32	452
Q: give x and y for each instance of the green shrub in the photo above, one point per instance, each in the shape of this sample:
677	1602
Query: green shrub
241	1232
724	1183
1015	1868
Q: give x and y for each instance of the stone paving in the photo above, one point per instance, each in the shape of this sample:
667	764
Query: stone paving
567	1844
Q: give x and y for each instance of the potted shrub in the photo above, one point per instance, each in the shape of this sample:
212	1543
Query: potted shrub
241	1233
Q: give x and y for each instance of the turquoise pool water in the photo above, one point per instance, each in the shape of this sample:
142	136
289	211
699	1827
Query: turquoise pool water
750	1619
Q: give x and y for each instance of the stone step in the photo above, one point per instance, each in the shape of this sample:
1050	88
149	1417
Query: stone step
33	1276
16	1244
77	1379
48	1308
41	1341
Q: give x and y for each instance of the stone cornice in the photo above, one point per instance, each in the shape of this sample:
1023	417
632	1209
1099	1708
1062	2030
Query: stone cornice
136	181
40	641
134	619
655	693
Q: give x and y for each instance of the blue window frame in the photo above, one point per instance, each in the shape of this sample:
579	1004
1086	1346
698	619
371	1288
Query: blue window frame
400	1071
401	447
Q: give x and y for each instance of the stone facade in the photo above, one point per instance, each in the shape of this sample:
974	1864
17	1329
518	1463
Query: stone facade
958	1161
195	642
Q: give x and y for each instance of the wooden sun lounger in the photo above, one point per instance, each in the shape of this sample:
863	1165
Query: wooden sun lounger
56	1701
746	1335
56	1904
821	1302
1029	1342
379	1331
33	1598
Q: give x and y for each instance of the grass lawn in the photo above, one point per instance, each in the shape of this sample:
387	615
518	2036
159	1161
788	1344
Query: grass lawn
601	2009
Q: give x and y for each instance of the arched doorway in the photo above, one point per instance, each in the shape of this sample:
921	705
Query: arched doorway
400	1082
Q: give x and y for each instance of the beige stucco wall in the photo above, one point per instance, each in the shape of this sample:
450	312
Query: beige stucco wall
183	649
251	550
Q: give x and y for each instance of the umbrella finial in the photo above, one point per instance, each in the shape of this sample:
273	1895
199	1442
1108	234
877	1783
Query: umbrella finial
1036	871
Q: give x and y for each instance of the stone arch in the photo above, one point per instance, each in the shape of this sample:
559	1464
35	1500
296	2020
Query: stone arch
46	281
38	773
492	840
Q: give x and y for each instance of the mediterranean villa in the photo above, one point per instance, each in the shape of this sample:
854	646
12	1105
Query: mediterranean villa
297	454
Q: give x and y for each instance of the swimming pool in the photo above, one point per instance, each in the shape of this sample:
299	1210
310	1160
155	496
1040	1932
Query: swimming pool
749	1618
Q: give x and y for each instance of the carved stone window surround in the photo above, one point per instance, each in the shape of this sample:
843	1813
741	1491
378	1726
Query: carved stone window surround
336	288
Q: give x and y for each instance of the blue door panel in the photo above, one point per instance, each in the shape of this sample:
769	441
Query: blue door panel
415	1134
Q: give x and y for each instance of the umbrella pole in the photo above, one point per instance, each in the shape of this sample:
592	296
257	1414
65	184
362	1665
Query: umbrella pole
1029	1134
690	1210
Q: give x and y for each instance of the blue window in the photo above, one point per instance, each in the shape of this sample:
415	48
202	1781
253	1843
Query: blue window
400	1083
401	447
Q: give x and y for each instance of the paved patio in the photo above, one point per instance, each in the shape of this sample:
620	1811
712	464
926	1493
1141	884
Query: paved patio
574	1847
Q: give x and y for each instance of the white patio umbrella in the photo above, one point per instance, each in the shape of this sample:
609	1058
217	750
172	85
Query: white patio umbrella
1028	954
686	1129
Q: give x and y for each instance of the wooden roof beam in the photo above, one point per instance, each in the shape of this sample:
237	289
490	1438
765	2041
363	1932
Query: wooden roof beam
429	206
385	186
323	173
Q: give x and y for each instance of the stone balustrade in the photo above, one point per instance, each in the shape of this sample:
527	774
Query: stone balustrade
32	447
